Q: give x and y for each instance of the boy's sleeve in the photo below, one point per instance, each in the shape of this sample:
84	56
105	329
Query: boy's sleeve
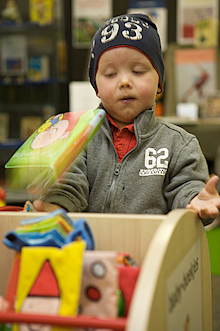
188	176
71	190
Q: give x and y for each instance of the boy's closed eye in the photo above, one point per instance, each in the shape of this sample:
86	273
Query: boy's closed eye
139	72
110	74
141	69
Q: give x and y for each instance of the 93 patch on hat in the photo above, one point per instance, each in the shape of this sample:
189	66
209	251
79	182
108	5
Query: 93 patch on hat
131	30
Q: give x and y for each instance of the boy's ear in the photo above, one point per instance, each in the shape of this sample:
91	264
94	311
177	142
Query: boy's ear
159	90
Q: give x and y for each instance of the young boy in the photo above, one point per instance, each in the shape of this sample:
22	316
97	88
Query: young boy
136	163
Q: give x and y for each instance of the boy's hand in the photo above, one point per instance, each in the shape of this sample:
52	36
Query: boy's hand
43	206
207	203
4	305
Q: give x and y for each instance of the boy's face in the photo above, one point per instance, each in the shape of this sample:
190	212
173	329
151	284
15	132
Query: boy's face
127	83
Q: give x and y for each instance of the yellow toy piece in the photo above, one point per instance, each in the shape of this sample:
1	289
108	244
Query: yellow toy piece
66	264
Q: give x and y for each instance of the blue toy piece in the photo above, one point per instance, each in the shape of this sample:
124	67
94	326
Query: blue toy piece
82	230
16	240
50	235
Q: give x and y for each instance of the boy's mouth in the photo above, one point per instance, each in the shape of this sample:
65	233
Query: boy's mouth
127	100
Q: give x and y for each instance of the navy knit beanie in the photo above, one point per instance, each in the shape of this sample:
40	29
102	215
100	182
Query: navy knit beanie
131	30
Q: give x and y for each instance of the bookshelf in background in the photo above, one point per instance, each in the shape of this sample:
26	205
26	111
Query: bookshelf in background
33	68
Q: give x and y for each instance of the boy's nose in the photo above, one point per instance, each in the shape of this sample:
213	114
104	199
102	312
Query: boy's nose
125	81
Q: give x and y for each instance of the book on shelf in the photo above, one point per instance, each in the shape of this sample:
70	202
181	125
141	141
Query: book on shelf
41	11
38	68
4	127
195	74
28	125
197	22
206	32
47	153
211	106
87	17
13	55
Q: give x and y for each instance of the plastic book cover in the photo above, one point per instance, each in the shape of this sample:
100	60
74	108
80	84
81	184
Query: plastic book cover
47	153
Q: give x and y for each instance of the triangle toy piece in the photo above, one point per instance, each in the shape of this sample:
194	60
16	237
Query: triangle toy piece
46	283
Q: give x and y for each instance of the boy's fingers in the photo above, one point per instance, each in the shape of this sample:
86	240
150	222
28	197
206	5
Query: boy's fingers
44	206
204	212
211	184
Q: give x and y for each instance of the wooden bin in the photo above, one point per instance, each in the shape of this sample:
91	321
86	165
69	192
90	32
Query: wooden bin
173	290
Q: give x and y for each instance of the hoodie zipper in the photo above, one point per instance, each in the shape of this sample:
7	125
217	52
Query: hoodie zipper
115	177
110	193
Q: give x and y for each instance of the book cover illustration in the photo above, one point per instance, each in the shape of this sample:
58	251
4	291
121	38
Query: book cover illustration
196	22
206	32
87	17
195	74
41	11
14	55
38	68
47	153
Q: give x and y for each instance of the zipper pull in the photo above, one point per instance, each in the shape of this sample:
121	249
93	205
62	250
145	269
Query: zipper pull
117	169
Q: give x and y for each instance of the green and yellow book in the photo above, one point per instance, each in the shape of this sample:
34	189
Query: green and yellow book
48	152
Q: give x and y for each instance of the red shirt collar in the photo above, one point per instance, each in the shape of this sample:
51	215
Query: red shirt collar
130	127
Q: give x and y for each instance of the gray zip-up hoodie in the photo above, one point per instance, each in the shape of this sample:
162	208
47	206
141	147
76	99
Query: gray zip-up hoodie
165	170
